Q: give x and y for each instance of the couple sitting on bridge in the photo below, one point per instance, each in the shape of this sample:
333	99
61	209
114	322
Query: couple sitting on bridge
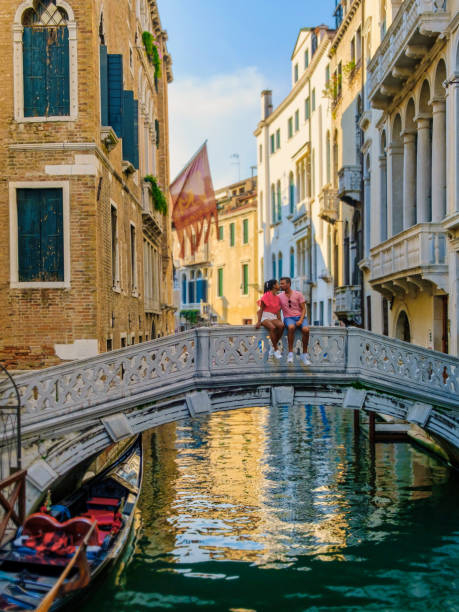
293	306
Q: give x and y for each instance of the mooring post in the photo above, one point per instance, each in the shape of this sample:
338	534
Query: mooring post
371	428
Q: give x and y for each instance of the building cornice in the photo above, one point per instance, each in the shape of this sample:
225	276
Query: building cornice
345	24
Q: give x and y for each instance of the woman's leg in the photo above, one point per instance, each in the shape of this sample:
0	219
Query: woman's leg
269	325
279	325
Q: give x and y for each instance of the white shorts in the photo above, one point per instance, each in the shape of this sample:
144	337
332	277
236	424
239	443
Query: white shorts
268	316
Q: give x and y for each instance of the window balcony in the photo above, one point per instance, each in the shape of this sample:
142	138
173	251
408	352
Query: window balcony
328	205
412	34
349	178
153	220
412	261
201	256
348	303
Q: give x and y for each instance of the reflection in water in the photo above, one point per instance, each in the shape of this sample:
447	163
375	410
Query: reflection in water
276	509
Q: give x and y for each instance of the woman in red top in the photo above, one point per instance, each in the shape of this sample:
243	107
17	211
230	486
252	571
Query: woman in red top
269	315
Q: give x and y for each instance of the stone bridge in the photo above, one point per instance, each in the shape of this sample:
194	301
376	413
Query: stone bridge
73	411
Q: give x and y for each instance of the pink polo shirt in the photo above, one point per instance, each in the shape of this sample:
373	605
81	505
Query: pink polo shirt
295	299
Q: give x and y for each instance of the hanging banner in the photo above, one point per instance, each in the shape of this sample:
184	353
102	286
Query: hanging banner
193	201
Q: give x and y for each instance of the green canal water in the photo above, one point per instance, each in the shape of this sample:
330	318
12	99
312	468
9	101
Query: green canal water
283	509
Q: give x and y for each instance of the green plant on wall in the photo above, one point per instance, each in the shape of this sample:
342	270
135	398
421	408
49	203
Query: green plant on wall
152	52
348	68
159	200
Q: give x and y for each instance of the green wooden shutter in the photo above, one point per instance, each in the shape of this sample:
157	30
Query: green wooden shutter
128	126
245	281
52	247
220	282
57	72
29	257
34	66
231	234
115	93
103	85
220	232
245	226
135	129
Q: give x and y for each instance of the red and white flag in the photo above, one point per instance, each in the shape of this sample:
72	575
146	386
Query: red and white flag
193	201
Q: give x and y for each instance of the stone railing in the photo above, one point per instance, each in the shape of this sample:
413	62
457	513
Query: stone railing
152	218
420	246
413	14
347	299
328	205
349	178
225	356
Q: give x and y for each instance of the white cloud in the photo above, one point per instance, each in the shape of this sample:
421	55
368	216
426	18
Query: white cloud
225	109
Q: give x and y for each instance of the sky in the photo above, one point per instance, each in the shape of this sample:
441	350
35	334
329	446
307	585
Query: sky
224	53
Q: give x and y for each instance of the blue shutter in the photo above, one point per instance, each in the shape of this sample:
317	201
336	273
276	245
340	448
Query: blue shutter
34	66
128	126
204	289
184	290
199	296
57	68
135	129
52	247
28	204
103	85
115	93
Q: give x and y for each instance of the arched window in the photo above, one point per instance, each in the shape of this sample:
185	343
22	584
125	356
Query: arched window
291	193
273	203
191	284
279	202
279	265
292	262
45	61
184	292
274	266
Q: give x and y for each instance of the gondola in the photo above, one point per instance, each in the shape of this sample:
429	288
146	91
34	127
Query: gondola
59	551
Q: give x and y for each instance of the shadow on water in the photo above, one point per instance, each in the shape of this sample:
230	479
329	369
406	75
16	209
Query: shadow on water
277	509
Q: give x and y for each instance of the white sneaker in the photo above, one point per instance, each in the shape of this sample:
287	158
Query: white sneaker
305	358
290	358
271	353
277	354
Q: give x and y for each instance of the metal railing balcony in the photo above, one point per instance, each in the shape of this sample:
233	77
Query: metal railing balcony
153	219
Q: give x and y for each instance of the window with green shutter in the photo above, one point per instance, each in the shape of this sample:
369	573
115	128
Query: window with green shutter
40	235
290	127
245	229
245	279
220	232
278	142
273	146
232	234
220	282
307	109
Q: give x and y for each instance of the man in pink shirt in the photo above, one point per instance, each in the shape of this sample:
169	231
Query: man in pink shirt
293	307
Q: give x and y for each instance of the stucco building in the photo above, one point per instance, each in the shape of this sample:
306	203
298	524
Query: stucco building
86	255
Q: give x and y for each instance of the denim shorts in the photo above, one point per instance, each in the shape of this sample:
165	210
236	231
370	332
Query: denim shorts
293	321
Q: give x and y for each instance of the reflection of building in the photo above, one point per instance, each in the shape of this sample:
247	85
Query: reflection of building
219	282
296	193
83	120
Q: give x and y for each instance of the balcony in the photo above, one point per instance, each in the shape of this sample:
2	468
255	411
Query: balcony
410	37
152	218
201	256
328	205
412	261
348	303
349	178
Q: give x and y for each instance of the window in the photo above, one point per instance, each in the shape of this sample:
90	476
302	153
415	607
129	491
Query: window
297	120
273	204
306	59
184	289
191	285
201	288
339	79
245	279
278	139
313	43
327	74
133	260
152	278
245	231
46	61
295	73
279	265
232	234
292	262
358	45
220	232
40	232
353	50
321	312
220	283
291	193
307	109
109	344
130	129
274	266
290	127
115	262
313	105
273	145
279	201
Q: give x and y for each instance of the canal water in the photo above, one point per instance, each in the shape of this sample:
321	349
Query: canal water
283	509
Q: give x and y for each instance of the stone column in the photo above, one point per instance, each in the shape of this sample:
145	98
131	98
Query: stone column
423	170
439	160
383	196
395	180
409	179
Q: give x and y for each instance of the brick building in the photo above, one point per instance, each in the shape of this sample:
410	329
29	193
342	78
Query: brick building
85	241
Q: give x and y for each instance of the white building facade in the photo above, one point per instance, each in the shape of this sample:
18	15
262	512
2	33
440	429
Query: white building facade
297	202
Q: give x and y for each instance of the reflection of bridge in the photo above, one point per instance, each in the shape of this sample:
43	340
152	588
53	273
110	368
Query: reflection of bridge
73	411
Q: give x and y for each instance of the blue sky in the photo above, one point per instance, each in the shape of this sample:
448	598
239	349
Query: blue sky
224	53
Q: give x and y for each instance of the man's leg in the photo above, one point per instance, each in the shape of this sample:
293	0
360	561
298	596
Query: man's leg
305	337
